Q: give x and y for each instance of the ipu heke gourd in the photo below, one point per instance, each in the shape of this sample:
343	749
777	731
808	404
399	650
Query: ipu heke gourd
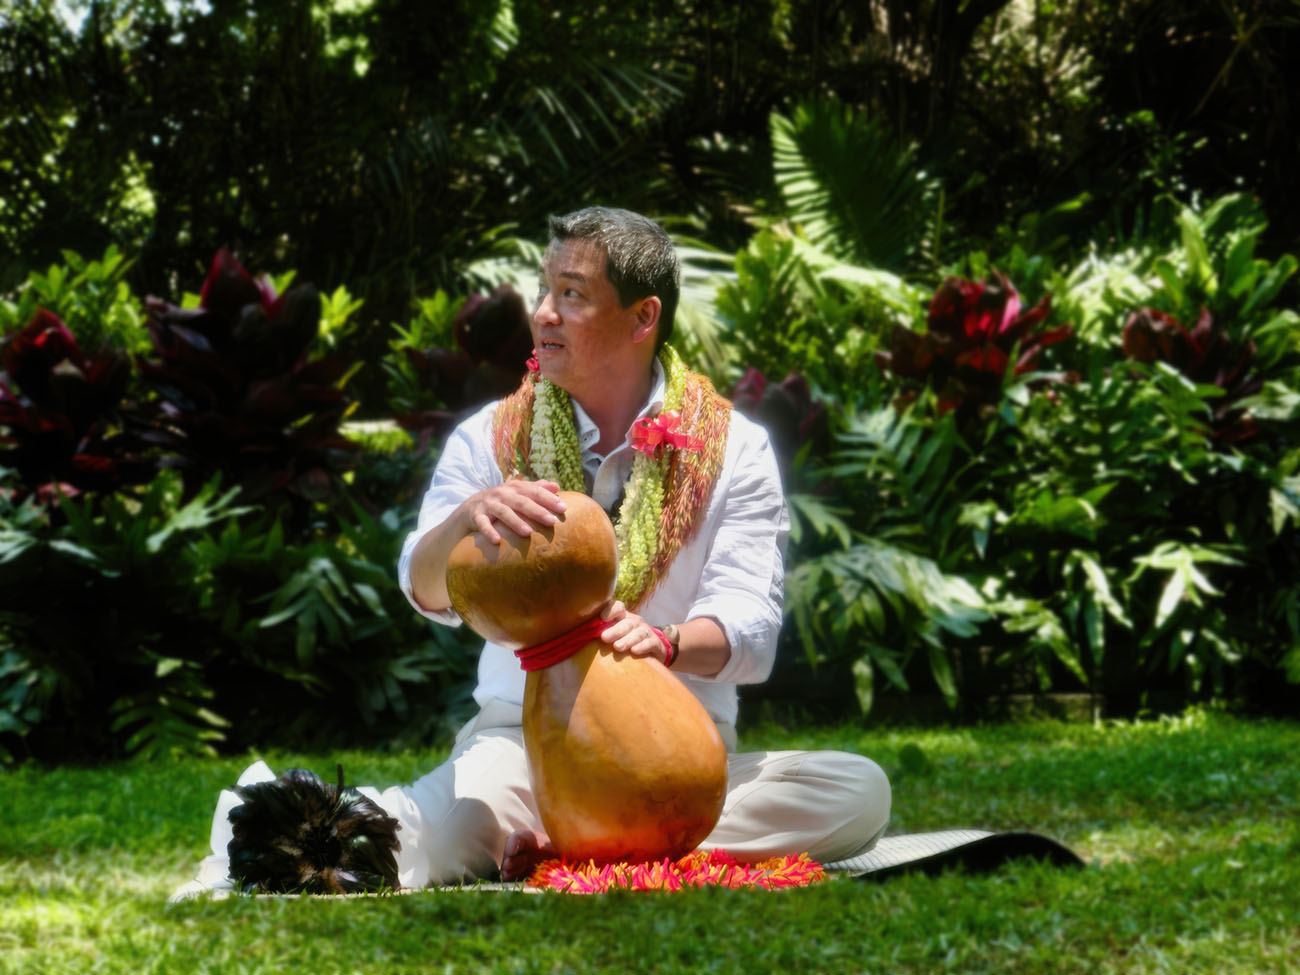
625	762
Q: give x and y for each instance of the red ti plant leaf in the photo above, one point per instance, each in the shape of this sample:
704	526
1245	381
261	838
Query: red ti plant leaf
1204	355
228	288
787	409
32	355
748	392
494	328
239	393
495	345
63	413
973	328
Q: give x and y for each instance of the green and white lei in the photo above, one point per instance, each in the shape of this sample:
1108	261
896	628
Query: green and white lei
663	495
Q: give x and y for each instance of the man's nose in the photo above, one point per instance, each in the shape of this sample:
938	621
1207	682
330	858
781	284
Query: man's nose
545	313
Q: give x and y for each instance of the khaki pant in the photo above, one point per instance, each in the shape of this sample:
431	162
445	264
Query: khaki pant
455	820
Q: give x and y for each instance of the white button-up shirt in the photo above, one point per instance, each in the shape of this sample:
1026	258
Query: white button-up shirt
730	571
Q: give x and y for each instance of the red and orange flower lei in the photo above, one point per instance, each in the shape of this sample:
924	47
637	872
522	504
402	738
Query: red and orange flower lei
714	868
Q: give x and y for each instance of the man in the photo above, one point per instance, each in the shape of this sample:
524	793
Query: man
707	601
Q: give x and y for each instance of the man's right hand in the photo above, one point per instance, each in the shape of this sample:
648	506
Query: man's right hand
518	505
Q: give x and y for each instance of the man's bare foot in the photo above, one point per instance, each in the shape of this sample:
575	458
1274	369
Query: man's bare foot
525	849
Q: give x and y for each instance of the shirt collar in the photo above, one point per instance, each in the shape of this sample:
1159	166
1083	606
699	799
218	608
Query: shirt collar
589	434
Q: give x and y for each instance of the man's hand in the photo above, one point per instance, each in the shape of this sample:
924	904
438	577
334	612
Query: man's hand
516	505
519	505
631	634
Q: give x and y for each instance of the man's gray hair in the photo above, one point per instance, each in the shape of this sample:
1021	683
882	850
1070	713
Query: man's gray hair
640	260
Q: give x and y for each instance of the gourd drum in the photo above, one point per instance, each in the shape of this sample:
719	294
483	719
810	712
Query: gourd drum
625	762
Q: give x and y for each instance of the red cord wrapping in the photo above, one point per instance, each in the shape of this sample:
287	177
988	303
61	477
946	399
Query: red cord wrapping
565	645
561	647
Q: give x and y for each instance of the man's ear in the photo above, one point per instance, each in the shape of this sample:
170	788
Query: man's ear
647	318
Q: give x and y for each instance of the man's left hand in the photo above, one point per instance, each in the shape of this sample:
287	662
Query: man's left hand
631	634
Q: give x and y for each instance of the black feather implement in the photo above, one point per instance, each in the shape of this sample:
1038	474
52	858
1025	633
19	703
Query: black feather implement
298	834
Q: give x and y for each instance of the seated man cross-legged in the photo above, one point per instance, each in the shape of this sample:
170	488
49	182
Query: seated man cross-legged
604	313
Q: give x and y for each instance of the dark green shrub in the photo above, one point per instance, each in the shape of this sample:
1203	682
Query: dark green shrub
792	308
145	624
1130	530
103	637
91	297
191	622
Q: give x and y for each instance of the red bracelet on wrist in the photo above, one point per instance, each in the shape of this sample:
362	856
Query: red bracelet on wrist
669	650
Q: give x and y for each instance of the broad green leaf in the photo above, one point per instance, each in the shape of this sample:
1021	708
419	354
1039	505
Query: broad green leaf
864	683
1284	503
1170	597
1198	259
1067	655
1272	283
847	183
1064	514
13	544
166	665
1094	629
941	669
369	597
1099	586
824	518
1276	401
887	661
81	552
198	514
1171	278
978	517
1239	270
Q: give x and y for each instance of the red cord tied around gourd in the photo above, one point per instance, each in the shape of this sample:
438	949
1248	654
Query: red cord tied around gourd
562	647
552	651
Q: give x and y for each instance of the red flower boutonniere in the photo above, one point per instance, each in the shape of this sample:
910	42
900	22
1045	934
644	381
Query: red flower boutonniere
652	436
532	363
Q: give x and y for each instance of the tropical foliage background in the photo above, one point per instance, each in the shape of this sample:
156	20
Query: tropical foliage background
1010	282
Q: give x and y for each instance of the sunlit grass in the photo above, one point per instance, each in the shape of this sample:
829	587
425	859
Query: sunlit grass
1188	824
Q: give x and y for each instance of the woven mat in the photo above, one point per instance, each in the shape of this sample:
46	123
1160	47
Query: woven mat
974	850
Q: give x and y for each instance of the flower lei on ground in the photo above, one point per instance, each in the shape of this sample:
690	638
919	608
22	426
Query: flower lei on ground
534	436
714	868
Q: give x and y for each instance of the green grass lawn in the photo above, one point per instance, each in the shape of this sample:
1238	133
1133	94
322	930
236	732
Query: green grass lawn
1189	826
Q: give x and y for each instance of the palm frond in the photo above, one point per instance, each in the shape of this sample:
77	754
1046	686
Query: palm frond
698	332
504	259
848	184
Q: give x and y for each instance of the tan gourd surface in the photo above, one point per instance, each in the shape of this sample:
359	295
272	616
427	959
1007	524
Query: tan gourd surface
625	762
530	589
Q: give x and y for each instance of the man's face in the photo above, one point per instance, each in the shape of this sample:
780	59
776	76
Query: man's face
582	334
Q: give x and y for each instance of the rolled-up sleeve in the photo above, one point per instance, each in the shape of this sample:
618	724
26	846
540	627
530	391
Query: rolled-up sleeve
465	467
742	585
